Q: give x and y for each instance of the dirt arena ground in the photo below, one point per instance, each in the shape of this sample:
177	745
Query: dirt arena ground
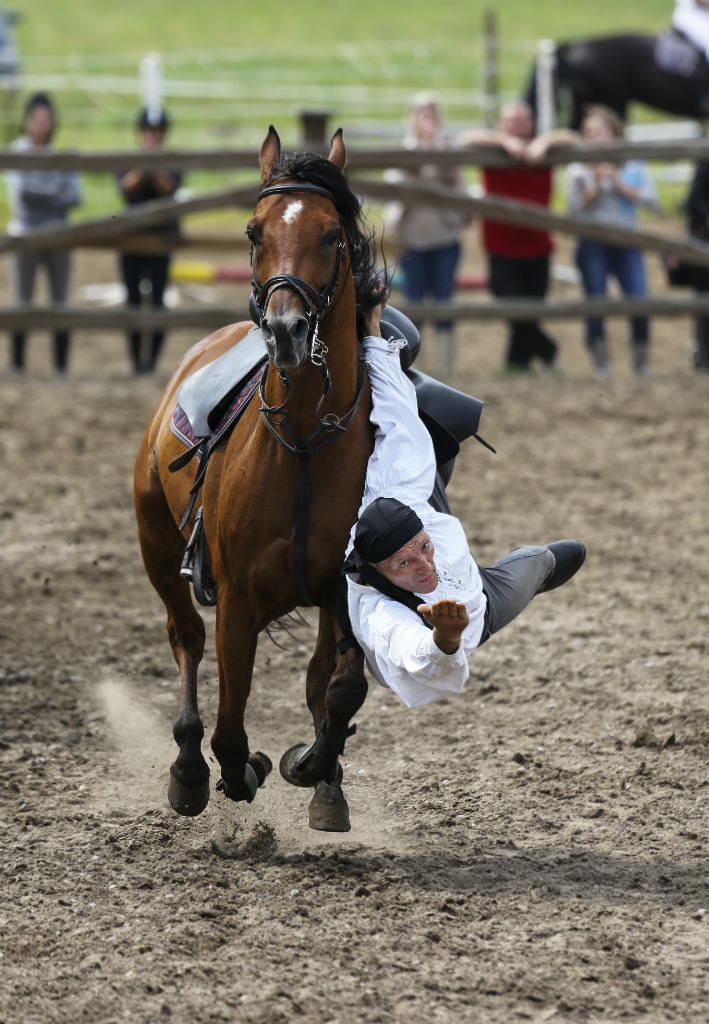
534	850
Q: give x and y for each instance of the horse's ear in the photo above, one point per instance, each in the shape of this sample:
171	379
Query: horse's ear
338	153
270	154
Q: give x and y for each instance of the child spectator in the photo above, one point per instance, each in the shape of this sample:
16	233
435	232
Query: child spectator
608	193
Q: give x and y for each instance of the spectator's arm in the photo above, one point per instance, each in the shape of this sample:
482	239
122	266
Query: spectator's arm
539	147
511	145
131	182
165	184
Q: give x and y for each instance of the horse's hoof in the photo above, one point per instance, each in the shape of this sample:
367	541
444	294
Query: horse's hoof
244	789
187	800
262	765
329	811
288	764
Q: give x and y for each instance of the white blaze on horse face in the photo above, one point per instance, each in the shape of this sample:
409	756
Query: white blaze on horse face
292	211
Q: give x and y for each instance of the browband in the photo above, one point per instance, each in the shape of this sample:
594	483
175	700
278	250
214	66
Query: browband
272	190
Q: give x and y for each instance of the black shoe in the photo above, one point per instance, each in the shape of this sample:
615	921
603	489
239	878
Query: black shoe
569	556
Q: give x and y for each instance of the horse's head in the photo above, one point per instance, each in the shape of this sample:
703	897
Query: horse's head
298	249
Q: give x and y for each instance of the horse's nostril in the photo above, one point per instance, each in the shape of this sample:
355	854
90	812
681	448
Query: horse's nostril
299	331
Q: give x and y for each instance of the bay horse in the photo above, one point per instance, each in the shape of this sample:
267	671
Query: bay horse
617	70
314	277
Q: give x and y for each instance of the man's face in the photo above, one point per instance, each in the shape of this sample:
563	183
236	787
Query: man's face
151	138
39	125
517	119
412	567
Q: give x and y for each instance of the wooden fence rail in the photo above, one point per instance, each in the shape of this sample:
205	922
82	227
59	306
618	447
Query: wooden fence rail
24	318
531	215
357	159
505	210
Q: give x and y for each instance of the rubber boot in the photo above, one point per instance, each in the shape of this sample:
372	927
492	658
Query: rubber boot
156	347
61	352
17	351
601	360
445	347
640	360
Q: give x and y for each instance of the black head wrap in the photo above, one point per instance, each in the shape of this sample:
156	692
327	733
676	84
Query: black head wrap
384	527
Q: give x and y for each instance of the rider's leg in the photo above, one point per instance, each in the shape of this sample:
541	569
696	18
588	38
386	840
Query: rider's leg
511	583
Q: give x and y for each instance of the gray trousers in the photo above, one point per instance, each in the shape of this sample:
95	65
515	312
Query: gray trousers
56	263
511	583
23	266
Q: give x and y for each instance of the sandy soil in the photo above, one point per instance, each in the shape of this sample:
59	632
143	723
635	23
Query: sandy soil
534	850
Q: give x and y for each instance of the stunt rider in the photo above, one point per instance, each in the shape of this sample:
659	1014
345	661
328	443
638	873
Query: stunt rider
418	602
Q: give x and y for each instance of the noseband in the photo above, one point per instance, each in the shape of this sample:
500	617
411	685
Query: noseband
315	303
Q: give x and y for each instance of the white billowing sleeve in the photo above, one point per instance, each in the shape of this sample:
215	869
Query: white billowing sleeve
401	652
403	463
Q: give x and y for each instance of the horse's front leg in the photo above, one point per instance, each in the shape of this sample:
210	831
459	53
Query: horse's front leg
236	638
333	698
162	546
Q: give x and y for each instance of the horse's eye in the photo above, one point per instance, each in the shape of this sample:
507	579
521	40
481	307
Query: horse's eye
334	238
251	235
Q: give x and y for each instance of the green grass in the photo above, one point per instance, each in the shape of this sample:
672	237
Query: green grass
259	63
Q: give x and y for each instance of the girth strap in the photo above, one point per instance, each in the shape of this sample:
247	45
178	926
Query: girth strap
300	539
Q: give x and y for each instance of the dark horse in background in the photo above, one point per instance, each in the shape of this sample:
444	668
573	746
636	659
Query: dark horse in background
314	275
618	70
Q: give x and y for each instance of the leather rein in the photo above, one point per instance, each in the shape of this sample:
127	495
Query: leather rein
315	305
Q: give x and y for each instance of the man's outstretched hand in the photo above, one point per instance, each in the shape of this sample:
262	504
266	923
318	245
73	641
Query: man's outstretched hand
449	619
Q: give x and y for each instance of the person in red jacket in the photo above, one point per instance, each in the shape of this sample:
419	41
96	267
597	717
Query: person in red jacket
518	257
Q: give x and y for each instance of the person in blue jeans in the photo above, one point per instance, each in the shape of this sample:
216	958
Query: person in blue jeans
605	192
430	237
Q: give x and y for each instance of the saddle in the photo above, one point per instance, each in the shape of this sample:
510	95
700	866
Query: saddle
204	397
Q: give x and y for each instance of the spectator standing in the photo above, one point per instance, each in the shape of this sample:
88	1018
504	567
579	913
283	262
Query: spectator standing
519	257
430	236
37	199
698	217
141	269
608	193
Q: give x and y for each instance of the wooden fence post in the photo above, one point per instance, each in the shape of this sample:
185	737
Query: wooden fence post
313	125
546	65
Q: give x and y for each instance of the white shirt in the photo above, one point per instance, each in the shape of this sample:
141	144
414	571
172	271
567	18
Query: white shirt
692	19
399	648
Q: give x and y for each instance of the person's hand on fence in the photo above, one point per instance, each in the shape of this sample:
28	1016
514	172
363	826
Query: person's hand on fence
542	145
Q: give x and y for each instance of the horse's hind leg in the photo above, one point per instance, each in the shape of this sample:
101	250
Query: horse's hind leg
333	698
162	547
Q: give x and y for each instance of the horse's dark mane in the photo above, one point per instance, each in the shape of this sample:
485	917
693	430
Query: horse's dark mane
312	169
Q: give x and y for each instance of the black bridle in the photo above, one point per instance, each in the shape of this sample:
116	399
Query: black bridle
315	305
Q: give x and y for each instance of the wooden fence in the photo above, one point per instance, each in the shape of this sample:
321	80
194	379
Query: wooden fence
118	231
